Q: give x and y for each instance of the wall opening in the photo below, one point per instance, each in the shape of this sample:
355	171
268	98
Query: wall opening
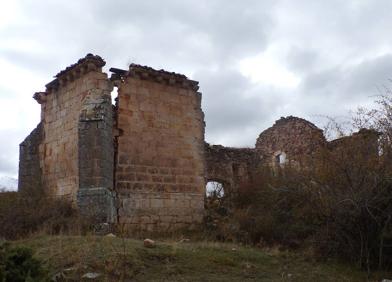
215	189
114	95
280	158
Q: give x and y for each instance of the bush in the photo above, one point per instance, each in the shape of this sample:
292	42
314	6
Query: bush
18	264
341	206
22	215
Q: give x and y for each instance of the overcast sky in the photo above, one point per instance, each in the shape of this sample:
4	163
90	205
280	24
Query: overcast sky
255	60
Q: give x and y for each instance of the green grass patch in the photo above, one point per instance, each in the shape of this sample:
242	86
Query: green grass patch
117	259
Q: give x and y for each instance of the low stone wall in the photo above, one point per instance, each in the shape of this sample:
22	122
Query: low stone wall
230	166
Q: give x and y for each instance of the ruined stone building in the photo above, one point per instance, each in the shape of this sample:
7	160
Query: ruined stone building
142	162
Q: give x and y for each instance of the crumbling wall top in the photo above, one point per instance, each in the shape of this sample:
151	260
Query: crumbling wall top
289	119
89	63
363	134
159	76
230	152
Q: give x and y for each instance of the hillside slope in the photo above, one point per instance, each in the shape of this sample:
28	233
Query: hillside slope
116	259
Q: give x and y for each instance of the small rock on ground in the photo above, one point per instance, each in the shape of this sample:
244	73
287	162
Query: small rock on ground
148	243
91	275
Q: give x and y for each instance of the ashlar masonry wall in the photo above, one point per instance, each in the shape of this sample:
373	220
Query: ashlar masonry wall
159	171
60	109
75	96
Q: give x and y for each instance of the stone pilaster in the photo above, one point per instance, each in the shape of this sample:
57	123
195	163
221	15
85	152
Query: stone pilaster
95	196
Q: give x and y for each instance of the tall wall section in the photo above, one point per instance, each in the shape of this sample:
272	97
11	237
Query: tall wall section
71	99
160	151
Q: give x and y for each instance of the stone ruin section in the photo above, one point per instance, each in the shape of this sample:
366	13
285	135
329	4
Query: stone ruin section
159	173
364	142
143	163
71	151
140	163
291	140
230	166
30	170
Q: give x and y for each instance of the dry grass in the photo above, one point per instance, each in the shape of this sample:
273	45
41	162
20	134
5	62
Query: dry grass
119	259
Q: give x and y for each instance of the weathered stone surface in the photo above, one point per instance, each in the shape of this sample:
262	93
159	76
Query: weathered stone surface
364	141
97	204
294	138
30	170
96	198
160	154
148	243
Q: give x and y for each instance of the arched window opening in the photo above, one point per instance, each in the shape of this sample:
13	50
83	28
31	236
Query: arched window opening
214	189
280	158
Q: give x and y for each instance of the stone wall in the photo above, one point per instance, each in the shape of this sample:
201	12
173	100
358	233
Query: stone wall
290	140
30	171
159	170
96	153
61	107
364	142
230	166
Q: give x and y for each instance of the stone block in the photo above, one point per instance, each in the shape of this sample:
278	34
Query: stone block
97	204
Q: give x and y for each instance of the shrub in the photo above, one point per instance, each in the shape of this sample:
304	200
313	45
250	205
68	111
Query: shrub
21	215
18	264
341	205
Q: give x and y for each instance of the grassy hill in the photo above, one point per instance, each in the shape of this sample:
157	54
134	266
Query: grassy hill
117	259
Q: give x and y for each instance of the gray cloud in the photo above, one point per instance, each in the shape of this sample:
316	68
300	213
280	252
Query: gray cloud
9	140
236	110
347	85
339	51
